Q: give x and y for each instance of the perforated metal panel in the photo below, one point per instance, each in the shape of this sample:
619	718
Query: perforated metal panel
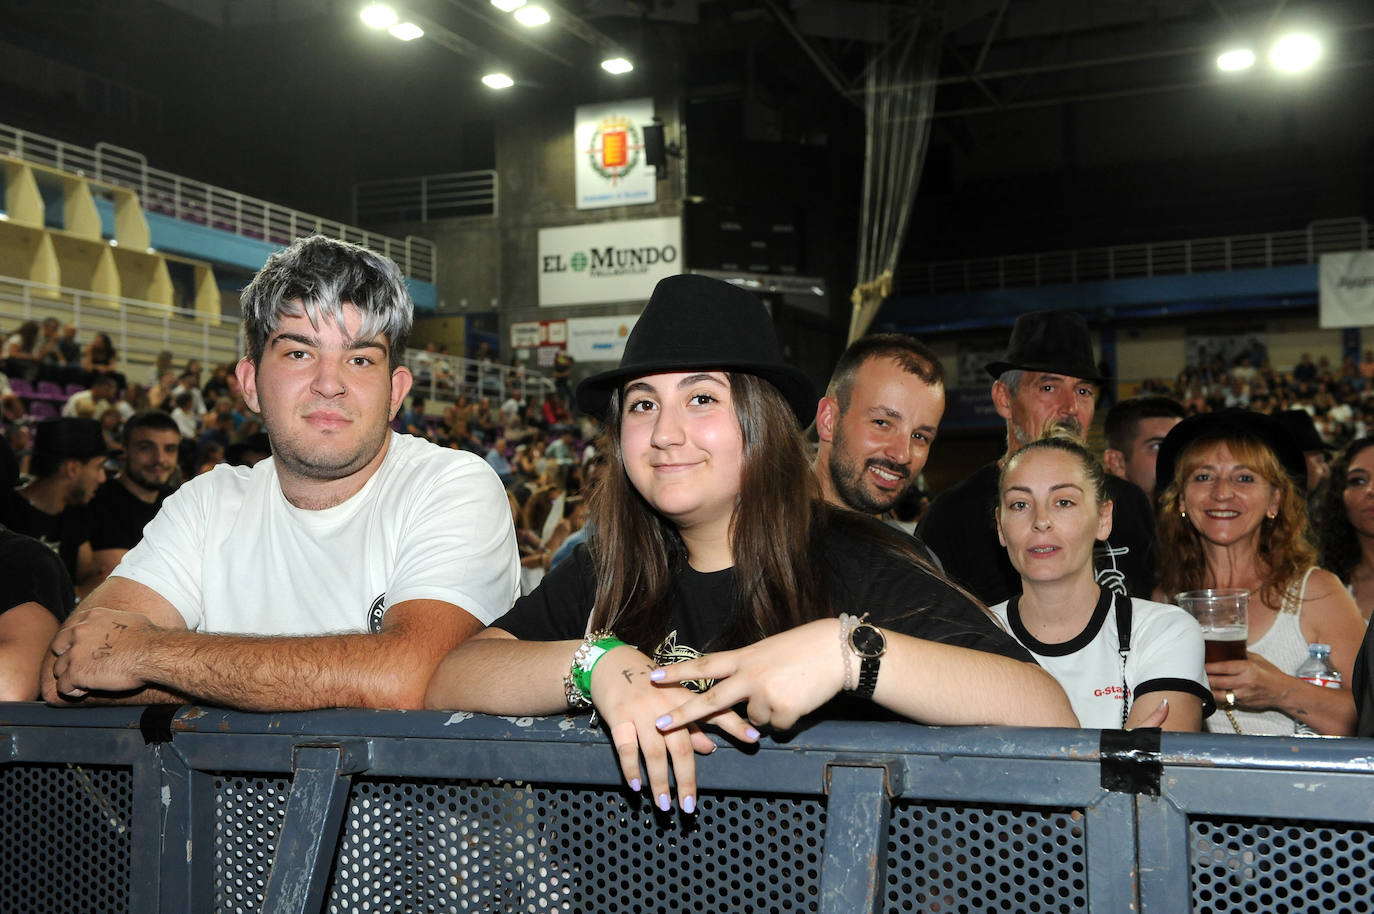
248	817
71	820
422	846
974	858
1262	865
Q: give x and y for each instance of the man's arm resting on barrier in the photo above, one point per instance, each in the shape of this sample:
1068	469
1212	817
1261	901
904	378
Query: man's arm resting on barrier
133	648
25	631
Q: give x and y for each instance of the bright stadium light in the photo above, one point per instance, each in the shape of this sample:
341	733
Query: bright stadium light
508	6
617	65
1295	52
1235	59
379	16
406	31
497	81
531	16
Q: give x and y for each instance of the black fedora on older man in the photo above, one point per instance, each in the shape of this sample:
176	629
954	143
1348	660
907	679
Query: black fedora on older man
1053	341
698	323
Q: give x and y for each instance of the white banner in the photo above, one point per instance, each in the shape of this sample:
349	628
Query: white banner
599	339
609	167
607	261
1347	289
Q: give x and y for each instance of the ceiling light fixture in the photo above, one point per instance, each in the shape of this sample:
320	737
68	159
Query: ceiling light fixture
406	31
497	81
617	65
1235	59
379	16
508	6
531	16
1295	52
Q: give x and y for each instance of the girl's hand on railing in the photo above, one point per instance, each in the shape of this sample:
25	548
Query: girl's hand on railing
781	677
633	707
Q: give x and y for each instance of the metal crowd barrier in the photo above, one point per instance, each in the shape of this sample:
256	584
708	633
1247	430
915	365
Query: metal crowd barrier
195	809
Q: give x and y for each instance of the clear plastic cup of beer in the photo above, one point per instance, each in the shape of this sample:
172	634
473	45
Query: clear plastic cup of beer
1222	614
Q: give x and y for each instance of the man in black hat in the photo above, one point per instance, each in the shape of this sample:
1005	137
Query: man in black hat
1046	382
68	465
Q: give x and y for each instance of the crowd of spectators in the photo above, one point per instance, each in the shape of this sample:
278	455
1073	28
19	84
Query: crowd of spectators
1340	399
544	457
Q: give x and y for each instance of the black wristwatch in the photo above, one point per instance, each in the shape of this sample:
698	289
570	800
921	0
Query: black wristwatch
869	644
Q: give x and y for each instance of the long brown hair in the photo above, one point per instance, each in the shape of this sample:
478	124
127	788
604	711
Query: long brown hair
1285	547
638	552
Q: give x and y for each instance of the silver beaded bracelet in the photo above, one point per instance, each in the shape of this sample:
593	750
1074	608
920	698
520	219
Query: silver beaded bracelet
847	625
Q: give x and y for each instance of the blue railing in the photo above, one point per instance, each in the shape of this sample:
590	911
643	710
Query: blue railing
195	809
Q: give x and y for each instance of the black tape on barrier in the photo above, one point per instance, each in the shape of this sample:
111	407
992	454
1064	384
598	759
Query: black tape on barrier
156	723
1131	761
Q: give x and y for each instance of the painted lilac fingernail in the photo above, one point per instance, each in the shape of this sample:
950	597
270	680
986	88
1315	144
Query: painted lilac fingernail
635	785
663	721
664	803
658	675
689	804
751	733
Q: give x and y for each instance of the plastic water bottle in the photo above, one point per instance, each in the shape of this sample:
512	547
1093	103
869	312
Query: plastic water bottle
1317	669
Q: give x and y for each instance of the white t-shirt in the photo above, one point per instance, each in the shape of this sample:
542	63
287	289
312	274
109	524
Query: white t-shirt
1166	655
234	556
77	401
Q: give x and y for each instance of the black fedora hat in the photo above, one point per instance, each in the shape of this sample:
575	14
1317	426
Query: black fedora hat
695	322
1056	341
70	439
1228	424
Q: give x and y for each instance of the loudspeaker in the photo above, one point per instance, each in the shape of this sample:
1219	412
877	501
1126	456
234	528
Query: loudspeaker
653	147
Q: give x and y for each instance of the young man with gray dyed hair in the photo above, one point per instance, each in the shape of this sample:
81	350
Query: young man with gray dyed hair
335	574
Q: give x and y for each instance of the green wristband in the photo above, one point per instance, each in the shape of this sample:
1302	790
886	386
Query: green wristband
582	669
578	683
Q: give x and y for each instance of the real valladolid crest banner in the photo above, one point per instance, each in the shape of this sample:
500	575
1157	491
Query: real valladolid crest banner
607	262
1347	289
610	167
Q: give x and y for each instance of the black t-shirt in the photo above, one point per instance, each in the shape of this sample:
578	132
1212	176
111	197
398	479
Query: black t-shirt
62	533
118	516
960	527
898	595
30	572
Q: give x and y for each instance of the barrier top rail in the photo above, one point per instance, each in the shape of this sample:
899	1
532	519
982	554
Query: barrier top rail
1134	261
194	201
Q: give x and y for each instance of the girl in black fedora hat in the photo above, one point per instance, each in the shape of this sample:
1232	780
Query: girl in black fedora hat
1232	514
710	535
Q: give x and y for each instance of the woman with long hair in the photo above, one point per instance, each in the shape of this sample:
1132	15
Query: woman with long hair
711	536
1347	522
1120	659
1232	514
23	343
99	354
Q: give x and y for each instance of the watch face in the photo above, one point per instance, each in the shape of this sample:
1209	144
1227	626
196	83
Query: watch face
867	641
